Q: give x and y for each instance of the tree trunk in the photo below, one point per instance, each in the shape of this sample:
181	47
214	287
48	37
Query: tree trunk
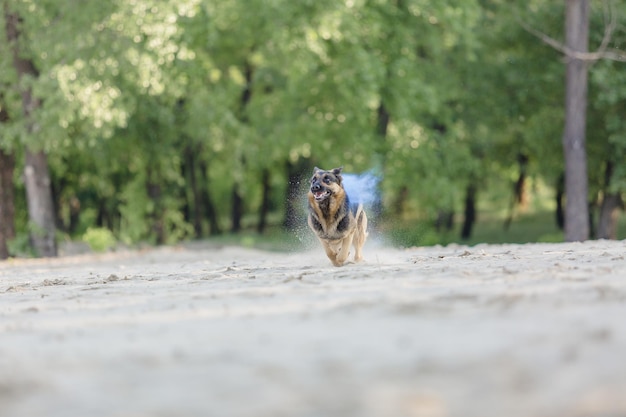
155	193
193	207
382	121
7	202
61	203
39	202
470	212
576	38
108	215
246	94
7	195
236	209
609	213
36	171
444	221
207	200
609	208
265	202
519	189
560	192
236	198
39	199
74	219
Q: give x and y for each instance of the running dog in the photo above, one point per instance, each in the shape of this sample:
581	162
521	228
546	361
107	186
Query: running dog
337	223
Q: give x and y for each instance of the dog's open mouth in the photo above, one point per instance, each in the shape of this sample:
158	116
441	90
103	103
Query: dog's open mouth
320	195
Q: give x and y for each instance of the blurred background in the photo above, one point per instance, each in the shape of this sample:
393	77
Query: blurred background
129	122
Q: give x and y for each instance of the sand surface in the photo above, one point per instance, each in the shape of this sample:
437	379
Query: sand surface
508	330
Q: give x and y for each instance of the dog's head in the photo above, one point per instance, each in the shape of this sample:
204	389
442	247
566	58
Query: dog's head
325	183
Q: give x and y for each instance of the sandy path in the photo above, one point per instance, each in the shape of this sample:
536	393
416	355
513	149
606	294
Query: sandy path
513	330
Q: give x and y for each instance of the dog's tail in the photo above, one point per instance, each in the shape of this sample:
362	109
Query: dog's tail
361	220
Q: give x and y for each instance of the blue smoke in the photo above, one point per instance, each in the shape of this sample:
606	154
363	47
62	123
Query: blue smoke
363	188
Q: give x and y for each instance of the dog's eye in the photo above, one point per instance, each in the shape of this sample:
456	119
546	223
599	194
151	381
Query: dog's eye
326	180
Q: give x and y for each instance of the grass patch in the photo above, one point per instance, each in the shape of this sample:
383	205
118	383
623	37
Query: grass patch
536	227
274	239
489	228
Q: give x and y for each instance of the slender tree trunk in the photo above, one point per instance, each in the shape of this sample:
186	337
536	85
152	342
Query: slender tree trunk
207	200
560	192
383	121
609	214
103	219
197	197
39	199
185	191
36	171
61	202
7	195
519	189
74	208
470	212
265	202
236	209
193	207
155	194
246	94
445	220
576	186
237	204
236	197
7	202
211	213
609	208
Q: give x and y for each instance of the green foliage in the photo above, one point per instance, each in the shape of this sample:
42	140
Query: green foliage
20	246
141	97
99	239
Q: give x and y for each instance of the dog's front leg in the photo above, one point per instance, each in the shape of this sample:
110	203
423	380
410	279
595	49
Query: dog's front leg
330	252
342	256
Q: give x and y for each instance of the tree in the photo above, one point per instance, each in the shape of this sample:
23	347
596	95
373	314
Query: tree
161	121
7	203
605	147
36	171
574	147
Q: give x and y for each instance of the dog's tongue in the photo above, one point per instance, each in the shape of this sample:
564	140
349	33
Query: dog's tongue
319	194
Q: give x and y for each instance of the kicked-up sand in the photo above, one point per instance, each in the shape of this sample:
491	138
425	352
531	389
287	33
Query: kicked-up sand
536	330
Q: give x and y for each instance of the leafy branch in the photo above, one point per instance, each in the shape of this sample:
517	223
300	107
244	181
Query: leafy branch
610	24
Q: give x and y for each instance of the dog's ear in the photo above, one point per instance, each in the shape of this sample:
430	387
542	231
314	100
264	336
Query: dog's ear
337	173
315	170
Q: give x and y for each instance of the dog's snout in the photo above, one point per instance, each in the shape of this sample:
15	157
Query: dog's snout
316	187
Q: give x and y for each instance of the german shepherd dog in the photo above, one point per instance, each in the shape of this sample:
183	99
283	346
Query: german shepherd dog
337	224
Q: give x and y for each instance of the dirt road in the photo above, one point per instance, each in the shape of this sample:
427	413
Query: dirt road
513	330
